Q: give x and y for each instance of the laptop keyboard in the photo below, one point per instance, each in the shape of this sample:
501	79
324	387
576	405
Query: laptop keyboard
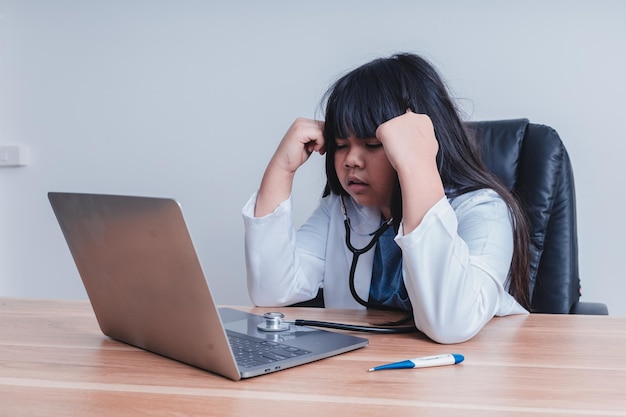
251	352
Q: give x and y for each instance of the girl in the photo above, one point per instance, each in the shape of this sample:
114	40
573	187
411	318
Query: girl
410	219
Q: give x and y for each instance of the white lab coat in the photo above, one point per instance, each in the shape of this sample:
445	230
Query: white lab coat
455	263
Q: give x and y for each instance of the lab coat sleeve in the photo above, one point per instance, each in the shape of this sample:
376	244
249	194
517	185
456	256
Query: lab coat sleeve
455	266
283	266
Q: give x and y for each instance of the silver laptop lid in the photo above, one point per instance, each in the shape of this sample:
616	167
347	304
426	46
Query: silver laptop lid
143	277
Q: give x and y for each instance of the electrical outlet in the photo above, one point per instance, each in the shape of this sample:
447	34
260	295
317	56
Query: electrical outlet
13	155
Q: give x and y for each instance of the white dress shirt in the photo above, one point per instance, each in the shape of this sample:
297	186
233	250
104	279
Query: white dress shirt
454	264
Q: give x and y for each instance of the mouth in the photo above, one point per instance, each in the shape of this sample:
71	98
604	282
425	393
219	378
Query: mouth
356	185
355	181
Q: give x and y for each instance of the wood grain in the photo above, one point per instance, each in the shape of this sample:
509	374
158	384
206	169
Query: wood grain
54	361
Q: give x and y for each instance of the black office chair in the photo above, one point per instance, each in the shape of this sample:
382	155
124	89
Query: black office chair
531	160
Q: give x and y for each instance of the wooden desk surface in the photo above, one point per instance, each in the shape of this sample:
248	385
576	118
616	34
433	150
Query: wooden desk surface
54	361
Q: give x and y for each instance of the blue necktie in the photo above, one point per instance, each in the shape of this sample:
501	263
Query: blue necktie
387	287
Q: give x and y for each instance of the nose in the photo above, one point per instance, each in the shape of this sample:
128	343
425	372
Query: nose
353	158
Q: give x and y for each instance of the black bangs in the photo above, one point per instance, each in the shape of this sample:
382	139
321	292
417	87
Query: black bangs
362	100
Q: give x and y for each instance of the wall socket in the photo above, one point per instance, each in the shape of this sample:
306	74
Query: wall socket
13	156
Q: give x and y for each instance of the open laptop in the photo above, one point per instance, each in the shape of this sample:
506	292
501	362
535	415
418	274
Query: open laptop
141	272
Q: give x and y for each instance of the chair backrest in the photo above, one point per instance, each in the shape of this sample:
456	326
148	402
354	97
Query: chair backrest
531	160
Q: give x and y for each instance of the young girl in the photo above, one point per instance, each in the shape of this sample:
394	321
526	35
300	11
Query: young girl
410	219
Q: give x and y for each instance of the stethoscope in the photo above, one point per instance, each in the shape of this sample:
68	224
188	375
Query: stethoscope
358	252
275	322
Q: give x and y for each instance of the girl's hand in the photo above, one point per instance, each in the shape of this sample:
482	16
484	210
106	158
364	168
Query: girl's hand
304	137
409	141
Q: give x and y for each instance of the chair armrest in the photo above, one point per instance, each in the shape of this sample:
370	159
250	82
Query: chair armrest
589	308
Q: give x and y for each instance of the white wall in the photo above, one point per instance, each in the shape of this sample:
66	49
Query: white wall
189	98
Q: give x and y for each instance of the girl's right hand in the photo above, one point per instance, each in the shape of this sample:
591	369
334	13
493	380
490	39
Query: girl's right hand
304	137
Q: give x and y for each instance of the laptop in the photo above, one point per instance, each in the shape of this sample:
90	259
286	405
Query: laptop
145	283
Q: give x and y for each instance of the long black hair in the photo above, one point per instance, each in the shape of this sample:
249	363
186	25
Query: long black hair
385	88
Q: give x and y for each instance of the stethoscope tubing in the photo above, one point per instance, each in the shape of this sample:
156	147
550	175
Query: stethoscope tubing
355	327
358	252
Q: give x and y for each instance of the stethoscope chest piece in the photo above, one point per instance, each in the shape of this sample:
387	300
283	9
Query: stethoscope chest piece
273	323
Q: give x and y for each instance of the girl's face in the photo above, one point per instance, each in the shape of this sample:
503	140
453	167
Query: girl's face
365	172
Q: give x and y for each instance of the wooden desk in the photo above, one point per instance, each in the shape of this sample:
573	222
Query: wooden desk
55	362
